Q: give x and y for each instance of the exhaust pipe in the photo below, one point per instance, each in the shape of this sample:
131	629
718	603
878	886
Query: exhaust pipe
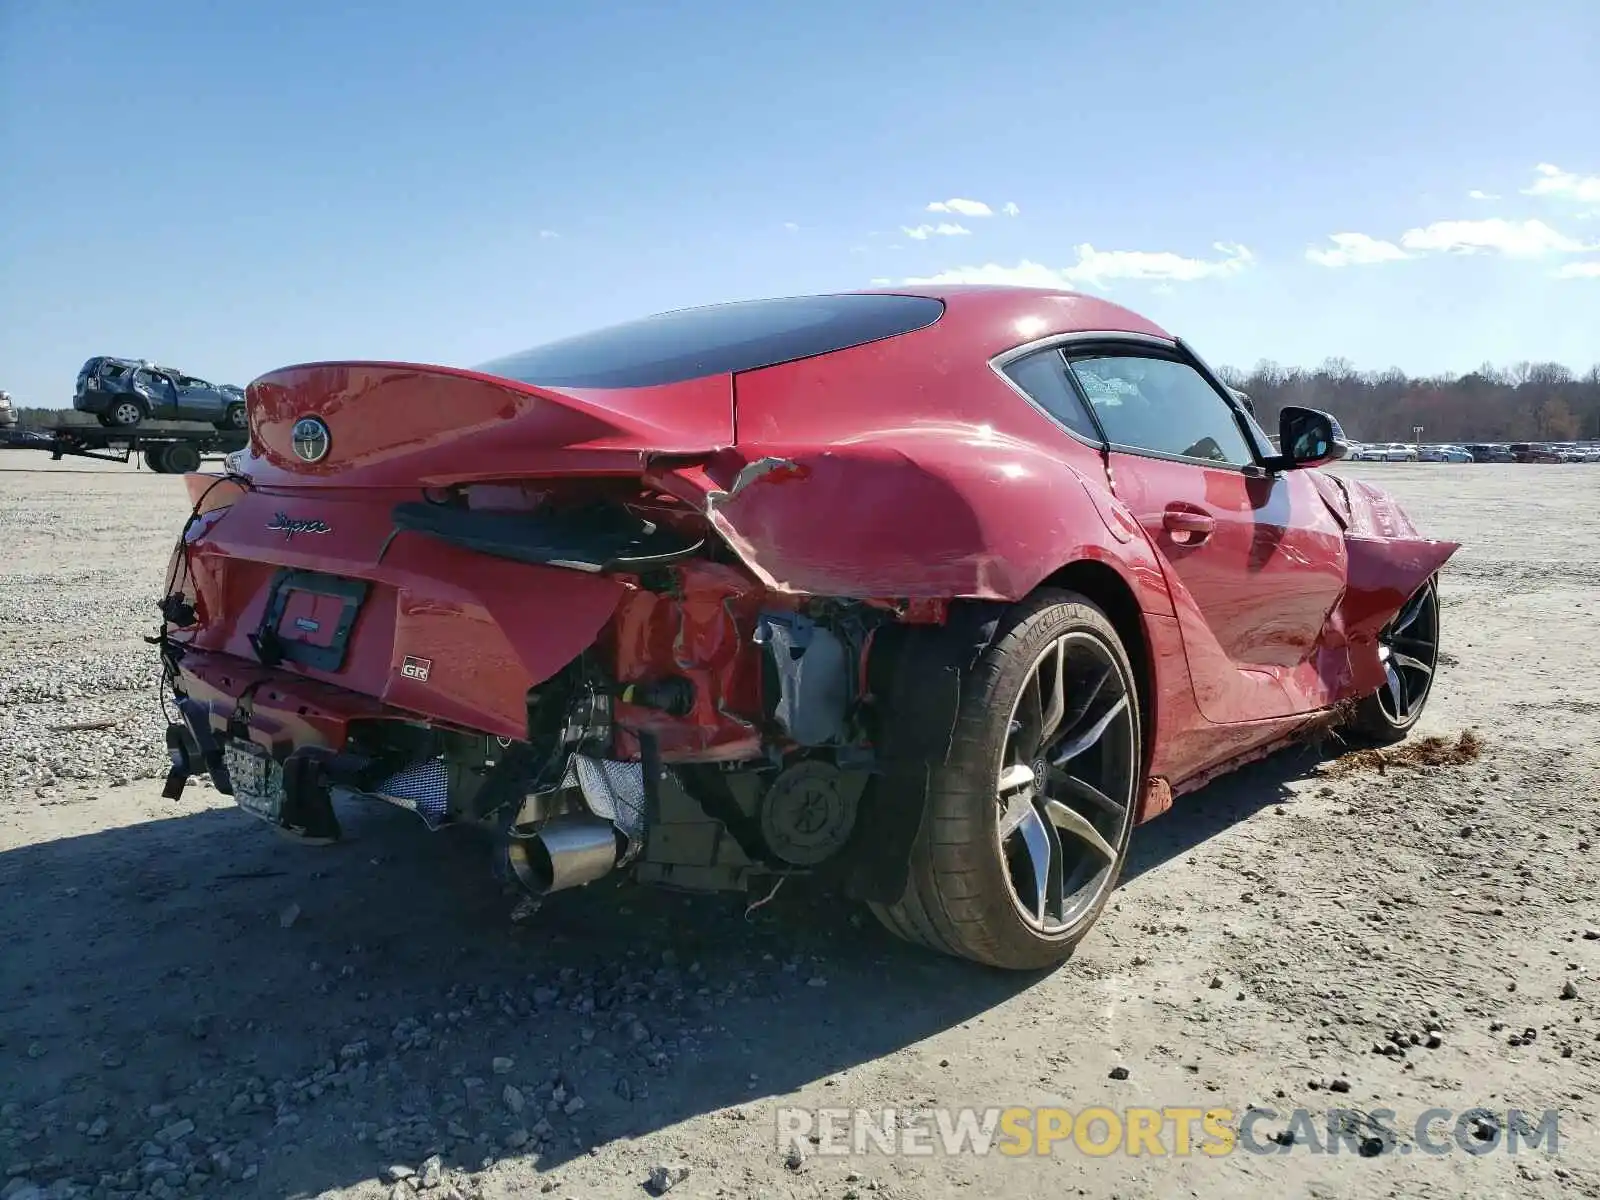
566	852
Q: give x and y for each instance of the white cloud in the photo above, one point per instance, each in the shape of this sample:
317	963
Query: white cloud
1580	270
882	282
1515	239
965	208
548	234
791	226
1354	249
1480	194
944	229
1565	185
1010	208
1095	267
1024	274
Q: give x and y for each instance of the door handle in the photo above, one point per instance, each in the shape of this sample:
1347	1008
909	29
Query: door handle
1196	526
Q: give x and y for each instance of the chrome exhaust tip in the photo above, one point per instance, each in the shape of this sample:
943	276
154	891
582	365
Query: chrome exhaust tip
566	852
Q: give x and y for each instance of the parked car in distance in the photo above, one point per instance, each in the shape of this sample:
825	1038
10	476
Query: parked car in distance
1486	452
123	392
1535	452
1382	452
1393	452
1456	454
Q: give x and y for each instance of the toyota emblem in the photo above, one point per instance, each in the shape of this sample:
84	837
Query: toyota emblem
311	439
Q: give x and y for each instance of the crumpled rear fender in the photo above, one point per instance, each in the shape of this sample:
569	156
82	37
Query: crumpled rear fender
922	514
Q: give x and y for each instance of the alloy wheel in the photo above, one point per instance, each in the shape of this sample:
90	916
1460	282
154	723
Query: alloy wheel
1409	650
1065	791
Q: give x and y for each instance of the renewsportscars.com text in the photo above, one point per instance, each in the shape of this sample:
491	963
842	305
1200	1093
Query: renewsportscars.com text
1173	1131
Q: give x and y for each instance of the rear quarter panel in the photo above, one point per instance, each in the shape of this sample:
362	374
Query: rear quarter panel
915	471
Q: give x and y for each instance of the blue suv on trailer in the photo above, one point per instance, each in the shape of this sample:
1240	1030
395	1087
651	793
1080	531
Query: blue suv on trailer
122	392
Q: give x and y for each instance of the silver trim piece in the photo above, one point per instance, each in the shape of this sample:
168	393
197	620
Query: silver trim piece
1054	340
310	439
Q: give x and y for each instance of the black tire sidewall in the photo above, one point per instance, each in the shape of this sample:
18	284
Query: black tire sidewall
174	455
963	787
1371	722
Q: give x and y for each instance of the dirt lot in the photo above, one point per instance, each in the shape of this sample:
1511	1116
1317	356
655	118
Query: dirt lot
190	1005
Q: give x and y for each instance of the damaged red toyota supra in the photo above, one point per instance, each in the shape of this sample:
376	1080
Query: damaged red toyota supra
931	594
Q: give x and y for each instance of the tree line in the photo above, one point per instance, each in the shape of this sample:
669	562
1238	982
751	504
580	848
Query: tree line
1526	402
45	418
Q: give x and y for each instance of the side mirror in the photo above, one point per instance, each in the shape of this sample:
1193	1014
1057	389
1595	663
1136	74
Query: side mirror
1308	437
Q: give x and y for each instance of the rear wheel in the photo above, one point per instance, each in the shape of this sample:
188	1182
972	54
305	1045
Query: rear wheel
234	420
1409	649
181	458
124	414
1030	814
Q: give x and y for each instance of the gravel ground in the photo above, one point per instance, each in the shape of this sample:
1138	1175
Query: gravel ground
192	1006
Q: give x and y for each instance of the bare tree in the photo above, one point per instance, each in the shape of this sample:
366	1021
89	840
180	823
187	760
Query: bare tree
1523	401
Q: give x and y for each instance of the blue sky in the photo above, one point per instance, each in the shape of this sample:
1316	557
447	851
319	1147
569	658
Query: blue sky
229	188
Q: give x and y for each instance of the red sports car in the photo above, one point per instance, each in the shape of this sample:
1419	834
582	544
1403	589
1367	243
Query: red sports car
933	595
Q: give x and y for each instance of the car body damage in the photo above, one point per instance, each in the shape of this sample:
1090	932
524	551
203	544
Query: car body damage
123	392
929	520
739	592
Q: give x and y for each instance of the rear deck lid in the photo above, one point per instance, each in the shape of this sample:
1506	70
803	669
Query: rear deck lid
595	403
389	424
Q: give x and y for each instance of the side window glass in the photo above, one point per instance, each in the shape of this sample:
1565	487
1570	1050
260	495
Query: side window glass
1162	406
1043	376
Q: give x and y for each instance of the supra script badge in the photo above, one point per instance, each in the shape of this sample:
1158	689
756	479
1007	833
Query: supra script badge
288	526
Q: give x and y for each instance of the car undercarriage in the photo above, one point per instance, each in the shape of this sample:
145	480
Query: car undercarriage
711	737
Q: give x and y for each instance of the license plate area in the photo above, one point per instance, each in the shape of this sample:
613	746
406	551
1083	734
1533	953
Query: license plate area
309	617
257	780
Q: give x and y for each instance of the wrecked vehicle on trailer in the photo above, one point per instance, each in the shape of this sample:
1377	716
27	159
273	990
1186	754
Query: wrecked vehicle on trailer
933	595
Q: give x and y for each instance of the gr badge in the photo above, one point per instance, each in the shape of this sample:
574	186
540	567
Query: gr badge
416	668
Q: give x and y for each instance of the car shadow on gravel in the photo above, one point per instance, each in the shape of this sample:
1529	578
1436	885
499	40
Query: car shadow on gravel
1200	816
320	1013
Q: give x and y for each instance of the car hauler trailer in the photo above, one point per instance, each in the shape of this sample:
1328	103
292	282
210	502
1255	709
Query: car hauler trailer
164	451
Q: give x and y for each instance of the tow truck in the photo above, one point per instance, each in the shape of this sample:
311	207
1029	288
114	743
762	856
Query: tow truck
166	449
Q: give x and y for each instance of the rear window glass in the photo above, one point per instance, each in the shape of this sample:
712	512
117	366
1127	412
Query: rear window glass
715	340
